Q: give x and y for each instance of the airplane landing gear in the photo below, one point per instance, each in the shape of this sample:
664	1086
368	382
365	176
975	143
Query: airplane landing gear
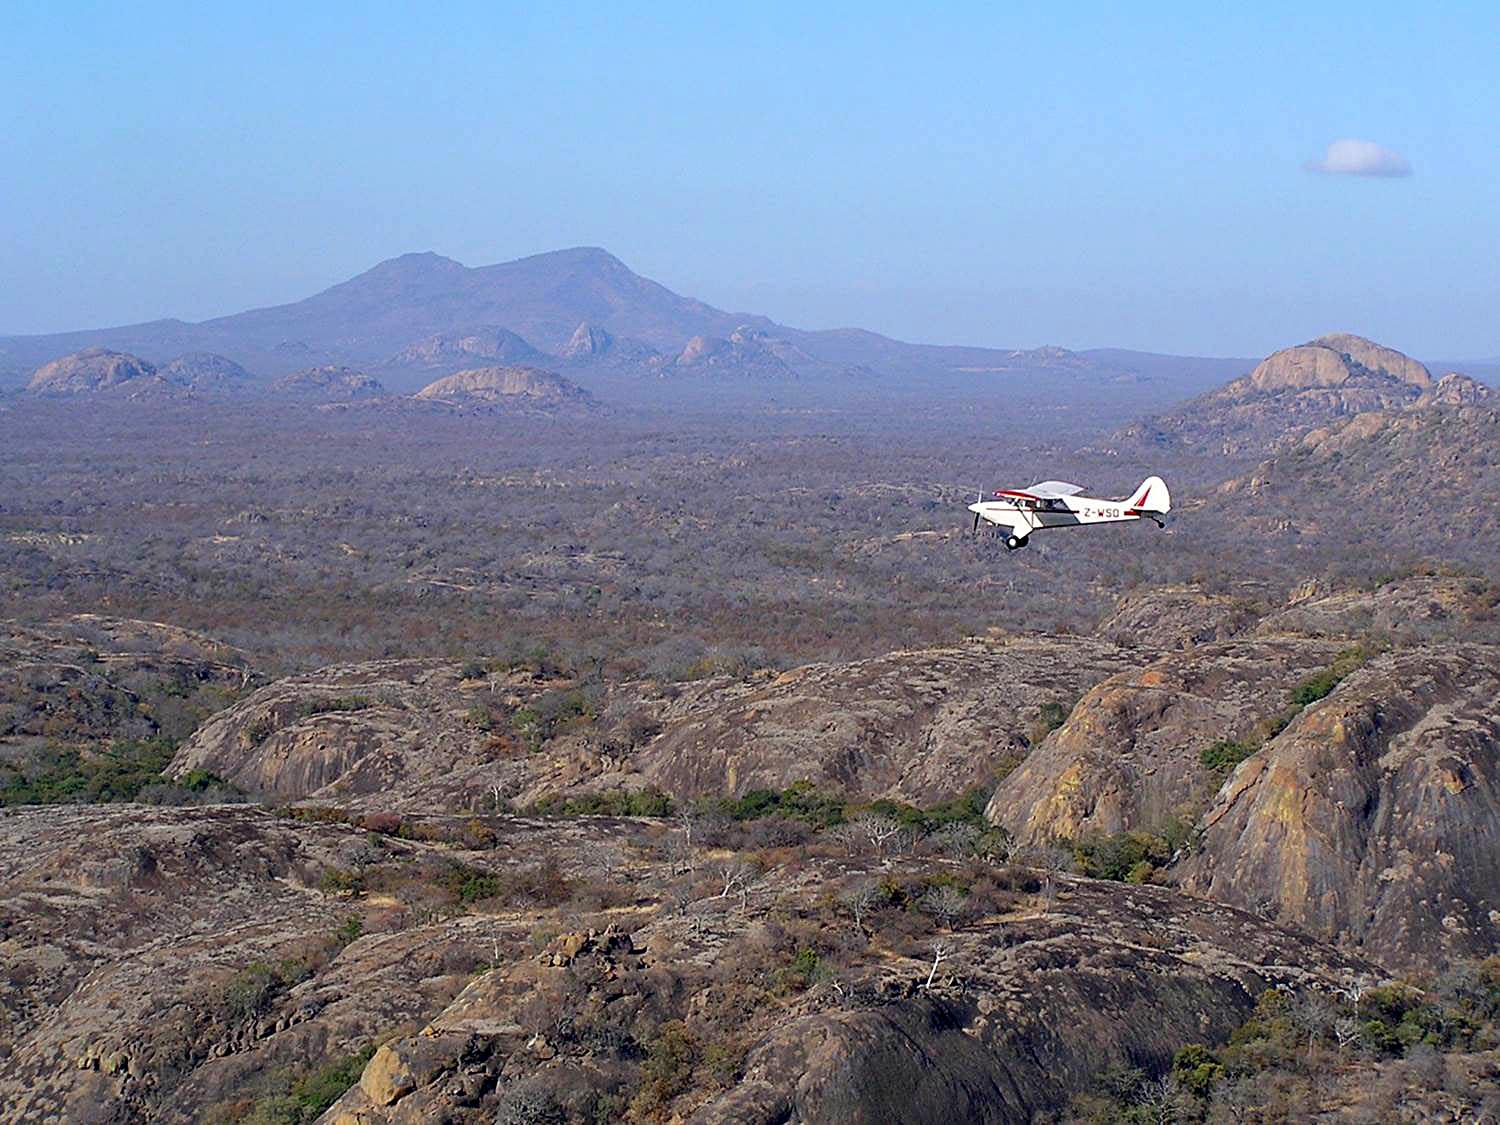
1013	543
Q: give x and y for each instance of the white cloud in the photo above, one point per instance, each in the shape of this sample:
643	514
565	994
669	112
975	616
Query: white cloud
1349	157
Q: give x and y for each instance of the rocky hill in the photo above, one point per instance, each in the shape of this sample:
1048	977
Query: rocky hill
391	734
86	680
171	965
1291	391
1129	756
744	358
1336	757
328	383
205	371
591	346
797	920
1411	483
90	370
1372	818
525	388
447	350
920	726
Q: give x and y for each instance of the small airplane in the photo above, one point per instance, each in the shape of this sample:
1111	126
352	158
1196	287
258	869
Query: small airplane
1056	503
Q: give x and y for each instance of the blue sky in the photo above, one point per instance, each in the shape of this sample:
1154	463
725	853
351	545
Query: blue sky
1008	174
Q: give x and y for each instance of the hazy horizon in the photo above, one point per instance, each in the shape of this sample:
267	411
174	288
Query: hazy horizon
1177	181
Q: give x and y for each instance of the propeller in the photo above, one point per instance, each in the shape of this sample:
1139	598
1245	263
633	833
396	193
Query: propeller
979	499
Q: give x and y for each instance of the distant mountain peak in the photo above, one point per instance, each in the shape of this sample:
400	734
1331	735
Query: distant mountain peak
421	259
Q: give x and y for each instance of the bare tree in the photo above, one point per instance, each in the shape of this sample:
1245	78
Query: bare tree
735	876
1000	848
868	832
680	844
941	951
1313	1014
956	841
860	900
1354	988
944	903
1346	1032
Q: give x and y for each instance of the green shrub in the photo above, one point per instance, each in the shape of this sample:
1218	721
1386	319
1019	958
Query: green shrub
798	801
64	775
1117	856
313	707
1196	1069
1224	755
1321	684
646	802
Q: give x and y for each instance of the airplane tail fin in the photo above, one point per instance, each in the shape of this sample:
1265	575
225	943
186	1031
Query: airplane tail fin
1151	497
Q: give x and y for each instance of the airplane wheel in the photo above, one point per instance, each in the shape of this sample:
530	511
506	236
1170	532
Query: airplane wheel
1014	544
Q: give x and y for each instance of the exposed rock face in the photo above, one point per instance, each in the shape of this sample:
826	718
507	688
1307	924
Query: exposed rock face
205	371
498	345
1127	758
1297	368
328	383
90	679
399	734
525	387
1454	389
1357	352
745	353
921	726
1332	360
587	341
1423	607
93	369
1164	617
1039	1003
1373	817
123	930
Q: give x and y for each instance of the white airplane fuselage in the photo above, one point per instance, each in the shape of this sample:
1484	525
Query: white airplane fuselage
1022	511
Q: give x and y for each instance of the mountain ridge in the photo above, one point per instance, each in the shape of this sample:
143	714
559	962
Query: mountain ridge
368	320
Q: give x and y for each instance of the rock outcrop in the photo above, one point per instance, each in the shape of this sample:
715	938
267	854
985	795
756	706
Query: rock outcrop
1454	389
396	734
1374	818
1029	1005
1174	617
93	369
921	726
87	680
1331	361
1394	485
1128	756
498	345
329	383
1289	392
205	371
528	388
746	353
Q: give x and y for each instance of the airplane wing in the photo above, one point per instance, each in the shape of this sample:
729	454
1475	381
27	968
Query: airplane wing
1050	489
